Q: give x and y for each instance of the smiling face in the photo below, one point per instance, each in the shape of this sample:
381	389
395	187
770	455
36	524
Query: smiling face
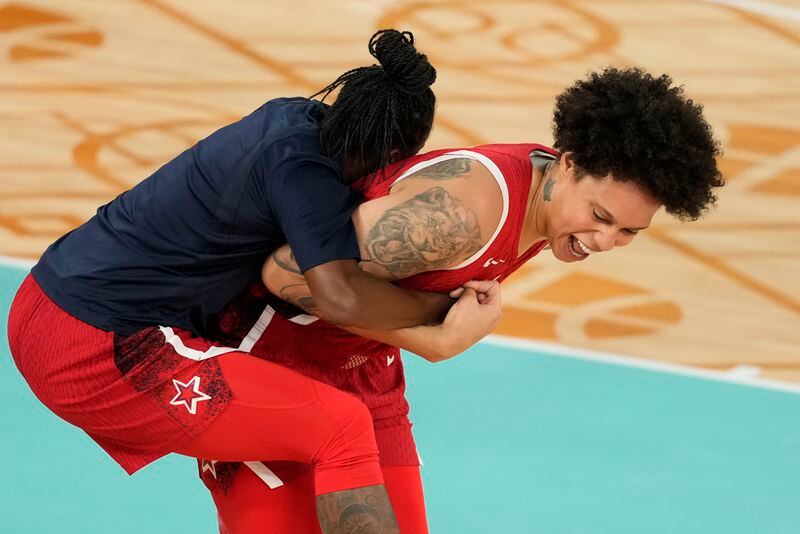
592	214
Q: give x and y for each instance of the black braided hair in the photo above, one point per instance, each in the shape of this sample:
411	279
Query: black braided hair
641	129
381	107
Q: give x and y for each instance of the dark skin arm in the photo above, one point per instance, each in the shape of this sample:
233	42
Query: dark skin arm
473	315
348	296
432	221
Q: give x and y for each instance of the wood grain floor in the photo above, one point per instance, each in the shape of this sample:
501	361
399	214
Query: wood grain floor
95	95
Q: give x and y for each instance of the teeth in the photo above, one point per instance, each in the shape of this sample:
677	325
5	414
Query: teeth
572	248
586	250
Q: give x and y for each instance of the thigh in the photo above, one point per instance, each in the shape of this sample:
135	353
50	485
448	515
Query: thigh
277	414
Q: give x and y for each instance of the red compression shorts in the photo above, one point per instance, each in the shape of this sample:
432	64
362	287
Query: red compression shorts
288	416
279	497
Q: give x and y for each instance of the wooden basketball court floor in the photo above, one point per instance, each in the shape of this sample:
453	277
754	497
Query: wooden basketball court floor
96	95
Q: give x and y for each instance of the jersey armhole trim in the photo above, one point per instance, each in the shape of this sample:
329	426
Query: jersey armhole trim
496	173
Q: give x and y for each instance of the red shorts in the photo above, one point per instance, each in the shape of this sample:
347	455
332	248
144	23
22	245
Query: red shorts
136	396
162	390
280	497
327	354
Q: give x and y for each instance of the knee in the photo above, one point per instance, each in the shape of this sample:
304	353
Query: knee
353	437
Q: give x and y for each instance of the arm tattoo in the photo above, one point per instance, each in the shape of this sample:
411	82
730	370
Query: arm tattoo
445	170
358	511
300	296
424	233
286	261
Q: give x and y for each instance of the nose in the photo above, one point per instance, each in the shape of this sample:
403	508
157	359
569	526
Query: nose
606	240
624	239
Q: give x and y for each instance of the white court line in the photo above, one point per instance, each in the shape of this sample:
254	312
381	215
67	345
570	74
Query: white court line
744	371
16	262
762	8
555	349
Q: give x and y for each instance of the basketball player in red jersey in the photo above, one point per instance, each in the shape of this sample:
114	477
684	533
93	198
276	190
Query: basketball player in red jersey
435	222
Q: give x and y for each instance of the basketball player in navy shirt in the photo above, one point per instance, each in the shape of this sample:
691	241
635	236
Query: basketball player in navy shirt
108	329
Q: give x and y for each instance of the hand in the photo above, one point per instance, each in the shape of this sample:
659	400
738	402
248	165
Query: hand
482	287
471	318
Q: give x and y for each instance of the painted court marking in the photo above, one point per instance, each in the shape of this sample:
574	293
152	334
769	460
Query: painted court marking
16	262
741	375
762	8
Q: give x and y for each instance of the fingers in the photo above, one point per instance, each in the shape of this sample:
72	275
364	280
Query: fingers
481	286
469	299
454	294
494	295
489	291
468	294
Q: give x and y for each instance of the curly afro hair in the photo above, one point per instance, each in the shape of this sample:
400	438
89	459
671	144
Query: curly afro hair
644	130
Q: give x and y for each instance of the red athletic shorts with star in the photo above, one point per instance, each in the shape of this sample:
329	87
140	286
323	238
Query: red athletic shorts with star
162	390
136	396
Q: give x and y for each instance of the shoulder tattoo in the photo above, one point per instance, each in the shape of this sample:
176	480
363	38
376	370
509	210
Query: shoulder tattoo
425	233
445	170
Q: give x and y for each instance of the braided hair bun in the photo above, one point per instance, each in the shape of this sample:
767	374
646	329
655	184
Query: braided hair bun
382	111
403	65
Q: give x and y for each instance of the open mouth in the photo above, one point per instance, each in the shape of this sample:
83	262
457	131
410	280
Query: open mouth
579	250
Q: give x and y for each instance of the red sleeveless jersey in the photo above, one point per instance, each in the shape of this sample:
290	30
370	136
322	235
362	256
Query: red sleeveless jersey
367	369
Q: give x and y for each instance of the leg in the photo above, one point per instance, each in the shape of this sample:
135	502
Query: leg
362	510
404	484
142	396
245	504
276	413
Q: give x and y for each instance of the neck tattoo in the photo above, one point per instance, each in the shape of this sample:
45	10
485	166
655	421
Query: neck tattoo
548	184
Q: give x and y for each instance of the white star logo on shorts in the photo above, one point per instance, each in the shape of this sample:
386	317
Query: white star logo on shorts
189	394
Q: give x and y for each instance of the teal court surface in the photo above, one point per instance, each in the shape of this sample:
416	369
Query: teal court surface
513	440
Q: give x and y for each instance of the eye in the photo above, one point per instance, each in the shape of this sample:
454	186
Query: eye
630	232
598	216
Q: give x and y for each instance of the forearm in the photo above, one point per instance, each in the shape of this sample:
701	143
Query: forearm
356	298
430	342
347	296
468	321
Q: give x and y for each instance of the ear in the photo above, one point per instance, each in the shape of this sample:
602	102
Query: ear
567	164
395	155
569	168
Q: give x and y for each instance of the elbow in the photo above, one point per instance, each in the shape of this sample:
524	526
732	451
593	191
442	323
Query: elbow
441	352
447	346
439	357
433	357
